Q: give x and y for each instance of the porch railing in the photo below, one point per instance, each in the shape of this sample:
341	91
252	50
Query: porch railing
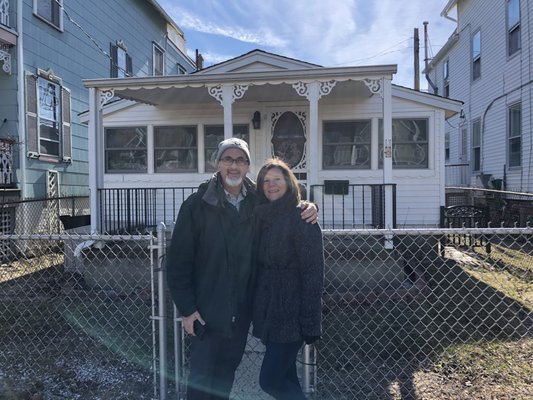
457	174
141	209
346	206
137	210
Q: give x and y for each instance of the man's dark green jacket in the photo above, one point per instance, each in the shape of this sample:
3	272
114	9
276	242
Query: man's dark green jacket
209	260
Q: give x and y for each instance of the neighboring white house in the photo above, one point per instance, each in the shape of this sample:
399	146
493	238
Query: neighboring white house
486	63
361	145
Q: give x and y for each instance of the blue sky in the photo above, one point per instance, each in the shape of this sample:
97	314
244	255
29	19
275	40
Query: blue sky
331	33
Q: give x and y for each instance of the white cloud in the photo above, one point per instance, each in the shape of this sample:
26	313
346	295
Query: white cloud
328	32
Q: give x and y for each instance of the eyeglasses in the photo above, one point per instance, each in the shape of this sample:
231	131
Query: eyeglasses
228	161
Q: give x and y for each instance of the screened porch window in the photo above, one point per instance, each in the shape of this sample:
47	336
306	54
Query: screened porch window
126	149
176	148
213	135
410	146
346	144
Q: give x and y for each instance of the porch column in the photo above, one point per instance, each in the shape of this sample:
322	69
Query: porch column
226	95
94	121
97	99
313	91
387	151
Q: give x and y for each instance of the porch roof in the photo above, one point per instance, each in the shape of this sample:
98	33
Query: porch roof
262	85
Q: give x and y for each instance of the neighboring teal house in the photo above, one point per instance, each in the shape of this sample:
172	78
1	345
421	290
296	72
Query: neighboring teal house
46	48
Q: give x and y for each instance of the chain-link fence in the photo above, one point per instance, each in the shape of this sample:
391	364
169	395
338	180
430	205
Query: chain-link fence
405	313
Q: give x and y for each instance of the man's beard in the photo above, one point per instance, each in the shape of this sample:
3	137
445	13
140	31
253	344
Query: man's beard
233	182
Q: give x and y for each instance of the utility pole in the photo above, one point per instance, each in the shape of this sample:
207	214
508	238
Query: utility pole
426	59
417	61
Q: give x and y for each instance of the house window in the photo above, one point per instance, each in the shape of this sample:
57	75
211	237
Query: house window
176	149
515	135
213	135
346	144
121	63
446	77
47	117
158	61
410	146
125	149
476	55
463	157
513	26
447	146
476	145
49	11
180	69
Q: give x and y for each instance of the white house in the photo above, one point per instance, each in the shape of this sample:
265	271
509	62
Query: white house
486	63
369	153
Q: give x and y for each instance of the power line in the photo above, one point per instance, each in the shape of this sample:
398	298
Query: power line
388	50
92	39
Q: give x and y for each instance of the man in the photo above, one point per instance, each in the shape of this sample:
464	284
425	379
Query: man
209	270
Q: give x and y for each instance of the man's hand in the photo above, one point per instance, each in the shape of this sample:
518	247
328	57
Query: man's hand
188	322
310	212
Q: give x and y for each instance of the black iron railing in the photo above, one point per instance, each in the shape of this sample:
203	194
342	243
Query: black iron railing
136	210
346	206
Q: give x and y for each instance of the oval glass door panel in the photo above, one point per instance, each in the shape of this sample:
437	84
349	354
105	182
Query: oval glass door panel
288	139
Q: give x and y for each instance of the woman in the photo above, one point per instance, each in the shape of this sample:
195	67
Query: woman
290	278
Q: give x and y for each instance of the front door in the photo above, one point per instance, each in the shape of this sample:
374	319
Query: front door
288	140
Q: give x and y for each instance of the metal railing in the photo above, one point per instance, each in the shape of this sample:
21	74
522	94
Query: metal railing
347	206
89	317
457	174
138	210
133	210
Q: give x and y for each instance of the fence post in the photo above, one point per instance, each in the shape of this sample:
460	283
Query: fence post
161	250
309	368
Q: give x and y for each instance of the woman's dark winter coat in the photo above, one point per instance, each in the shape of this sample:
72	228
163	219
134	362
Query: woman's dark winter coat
290	274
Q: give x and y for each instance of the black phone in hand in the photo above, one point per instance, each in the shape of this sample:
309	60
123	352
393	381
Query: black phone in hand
199	329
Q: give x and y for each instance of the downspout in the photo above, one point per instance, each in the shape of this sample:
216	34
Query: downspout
433	86
21	101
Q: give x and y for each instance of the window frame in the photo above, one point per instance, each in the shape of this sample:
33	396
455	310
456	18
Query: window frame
180	69
447	146
350	145
446	78
107	149
158	57
476	145
55	4
120	60
35	115
395	143
517	136
476	55
513	28
55	118
191	148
